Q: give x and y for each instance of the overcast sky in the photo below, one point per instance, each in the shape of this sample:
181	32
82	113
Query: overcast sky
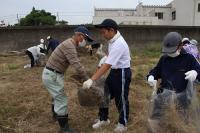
73	11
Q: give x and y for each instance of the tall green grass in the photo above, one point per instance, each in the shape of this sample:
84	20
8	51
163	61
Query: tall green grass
148	50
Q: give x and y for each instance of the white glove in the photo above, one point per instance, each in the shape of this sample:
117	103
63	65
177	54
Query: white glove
191	75
87	84
151	81
102	61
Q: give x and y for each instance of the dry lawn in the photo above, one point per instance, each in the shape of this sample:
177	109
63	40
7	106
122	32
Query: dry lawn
25	103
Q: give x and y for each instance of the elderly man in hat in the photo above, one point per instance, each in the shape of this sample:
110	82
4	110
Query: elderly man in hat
119	78
53	75
176	68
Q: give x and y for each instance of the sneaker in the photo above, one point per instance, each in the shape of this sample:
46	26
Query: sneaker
27	66
120	128
99	124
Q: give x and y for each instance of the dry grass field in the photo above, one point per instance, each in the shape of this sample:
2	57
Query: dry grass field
25	103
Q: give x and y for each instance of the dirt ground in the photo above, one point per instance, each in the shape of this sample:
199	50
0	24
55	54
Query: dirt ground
25	103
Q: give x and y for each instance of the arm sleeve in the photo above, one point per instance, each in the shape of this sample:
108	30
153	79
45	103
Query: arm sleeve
39	51
48	47
71	55
114	55
156	71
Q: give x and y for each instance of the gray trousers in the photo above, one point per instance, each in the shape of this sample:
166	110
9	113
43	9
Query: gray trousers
54	83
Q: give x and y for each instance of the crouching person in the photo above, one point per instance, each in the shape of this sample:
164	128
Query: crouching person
176	69
53	75
34	53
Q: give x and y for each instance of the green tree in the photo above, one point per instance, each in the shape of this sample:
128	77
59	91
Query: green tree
62	22
38	18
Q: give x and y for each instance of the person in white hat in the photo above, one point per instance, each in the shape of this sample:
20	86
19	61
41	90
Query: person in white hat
35	52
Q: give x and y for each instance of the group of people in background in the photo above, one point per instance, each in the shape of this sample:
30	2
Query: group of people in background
35	52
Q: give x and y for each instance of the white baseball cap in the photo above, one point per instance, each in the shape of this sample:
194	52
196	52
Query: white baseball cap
42	41
48	37
185	39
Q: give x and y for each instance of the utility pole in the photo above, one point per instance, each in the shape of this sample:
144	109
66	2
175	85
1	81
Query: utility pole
57	14
18	18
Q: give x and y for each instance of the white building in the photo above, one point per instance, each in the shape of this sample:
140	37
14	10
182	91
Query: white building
176	13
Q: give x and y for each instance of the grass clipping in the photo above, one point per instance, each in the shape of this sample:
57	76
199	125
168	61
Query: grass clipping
179	120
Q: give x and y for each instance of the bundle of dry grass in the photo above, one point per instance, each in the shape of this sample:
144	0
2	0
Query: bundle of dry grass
177	119
93	96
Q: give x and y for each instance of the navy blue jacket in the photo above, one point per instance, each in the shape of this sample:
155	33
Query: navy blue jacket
53	43
172	71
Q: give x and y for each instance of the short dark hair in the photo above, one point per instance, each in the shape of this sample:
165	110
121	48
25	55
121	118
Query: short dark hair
109	28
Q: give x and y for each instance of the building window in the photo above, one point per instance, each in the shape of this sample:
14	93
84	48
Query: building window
199	7
159	15
174	15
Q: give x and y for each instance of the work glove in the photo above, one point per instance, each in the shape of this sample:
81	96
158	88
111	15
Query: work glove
151	81
87	84
191	75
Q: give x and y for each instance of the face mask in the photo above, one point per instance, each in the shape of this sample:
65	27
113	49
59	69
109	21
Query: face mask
177	53
82	44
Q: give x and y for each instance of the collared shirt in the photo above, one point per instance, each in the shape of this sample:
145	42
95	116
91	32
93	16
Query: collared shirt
118	52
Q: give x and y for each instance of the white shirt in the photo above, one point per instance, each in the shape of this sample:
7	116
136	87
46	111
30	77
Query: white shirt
35	50
118	52
102	61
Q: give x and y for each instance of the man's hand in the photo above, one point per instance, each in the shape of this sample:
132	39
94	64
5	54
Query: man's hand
87	84
151	81
191	75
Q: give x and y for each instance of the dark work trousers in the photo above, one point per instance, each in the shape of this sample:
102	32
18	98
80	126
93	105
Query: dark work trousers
118	82
30	55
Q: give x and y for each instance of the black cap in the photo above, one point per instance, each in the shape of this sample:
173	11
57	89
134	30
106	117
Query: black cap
171	42
108	23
